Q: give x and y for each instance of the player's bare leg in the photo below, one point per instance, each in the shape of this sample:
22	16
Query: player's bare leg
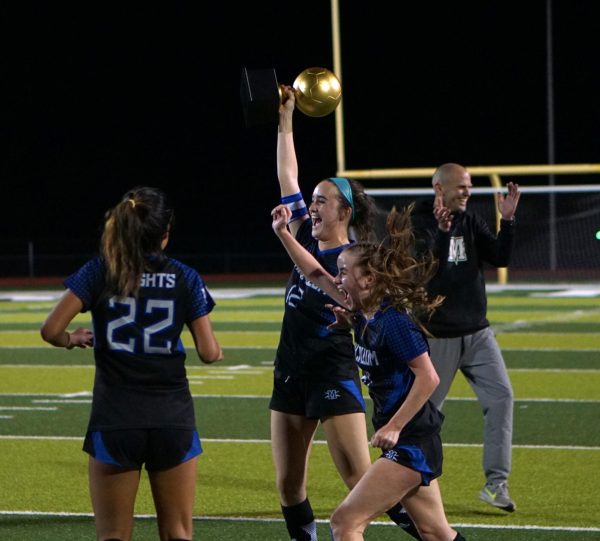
173	491
113	492
348	445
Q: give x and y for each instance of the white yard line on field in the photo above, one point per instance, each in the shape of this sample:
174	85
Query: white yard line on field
316	442
532	527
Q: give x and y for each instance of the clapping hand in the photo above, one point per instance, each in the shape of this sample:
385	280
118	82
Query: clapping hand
442	214
507	206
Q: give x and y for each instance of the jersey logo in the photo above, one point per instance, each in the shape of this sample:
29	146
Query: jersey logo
391	455
331	394
457	251
294	295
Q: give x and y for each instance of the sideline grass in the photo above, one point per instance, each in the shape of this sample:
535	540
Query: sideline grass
58	483
51	528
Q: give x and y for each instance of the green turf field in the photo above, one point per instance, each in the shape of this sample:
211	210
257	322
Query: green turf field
552	348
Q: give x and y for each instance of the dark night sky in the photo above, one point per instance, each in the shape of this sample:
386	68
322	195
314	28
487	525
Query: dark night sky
100	98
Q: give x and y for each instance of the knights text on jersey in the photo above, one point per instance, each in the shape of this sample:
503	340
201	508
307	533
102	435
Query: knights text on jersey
306	345
140	379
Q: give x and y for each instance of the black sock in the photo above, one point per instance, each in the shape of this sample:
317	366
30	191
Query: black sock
459	537
300	521
400	517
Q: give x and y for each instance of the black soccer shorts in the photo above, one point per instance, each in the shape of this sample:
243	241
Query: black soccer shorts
156	448
315	399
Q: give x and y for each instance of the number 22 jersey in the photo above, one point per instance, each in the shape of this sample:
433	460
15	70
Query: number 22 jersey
140	379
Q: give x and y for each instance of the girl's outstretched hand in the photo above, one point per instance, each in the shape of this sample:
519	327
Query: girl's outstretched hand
281	215
344	319
81	338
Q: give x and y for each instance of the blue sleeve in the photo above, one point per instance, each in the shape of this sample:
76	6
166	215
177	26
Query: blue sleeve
201	302
405	340
88	282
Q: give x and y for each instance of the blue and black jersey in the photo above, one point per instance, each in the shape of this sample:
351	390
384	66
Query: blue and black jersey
140	377
306	346
385	345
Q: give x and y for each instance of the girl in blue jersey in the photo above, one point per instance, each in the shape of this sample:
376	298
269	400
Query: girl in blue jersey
379	287
142	409
315	377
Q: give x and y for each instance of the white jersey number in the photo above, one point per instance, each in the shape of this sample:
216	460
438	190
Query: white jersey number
165	307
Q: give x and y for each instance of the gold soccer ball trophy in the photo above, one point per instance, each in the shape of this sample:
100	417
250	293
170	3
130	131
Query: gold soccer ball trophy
318	91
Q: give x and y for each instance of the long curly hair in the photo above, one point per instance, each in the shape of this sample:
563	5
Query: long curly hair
400	276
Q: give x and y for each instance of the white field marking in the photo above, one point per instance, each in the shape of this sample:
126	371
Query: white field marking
62	401
558	370
240	367
25	408
268	365
206	376
316	442
46	394
216	293
450	398
266	397
240	373
33	346
583	350
212	518
43	438
559	317
37	332
39	296
542	399
7	416
577	350
36	366
582	293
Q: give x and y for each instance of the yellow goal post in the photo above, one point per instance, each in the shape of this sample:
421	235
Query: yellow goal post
494	173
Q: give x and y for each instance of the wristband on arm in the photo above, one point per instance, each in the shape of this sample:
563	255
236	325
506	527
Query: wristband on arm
296	204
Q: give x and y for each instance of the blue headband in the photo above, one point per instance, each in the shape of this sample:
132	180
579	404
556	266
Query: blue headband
343	185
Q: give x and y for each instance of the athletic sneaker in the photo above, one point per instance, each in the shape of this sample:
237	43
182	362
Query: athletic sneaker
497	495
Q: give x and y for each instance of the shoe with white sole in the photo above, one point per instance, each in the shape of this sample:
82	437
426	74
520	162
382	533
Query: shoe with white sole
497	495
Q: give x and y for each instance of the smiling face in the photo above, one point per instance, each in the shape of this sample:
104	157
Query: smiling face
329	217
454	185
352	280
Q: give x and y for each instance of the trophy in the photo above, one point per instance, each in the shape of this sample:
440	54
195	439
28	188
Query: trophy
317	90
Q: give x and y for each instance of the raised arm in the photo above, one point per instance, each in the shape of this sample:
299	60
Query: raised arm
302	258
287	164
